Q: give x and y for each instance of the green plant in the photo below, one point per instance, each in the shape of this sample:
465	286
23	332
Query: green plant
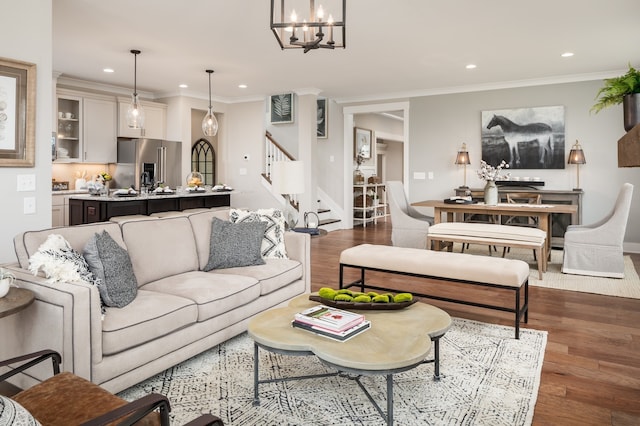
616	88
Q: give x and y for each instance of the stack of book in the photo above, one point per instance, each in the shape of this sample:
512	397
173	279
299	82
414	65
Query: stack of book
331	322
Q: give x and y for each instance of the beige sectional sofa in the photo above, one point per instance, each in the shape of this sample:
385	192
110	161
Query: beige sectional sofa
178	312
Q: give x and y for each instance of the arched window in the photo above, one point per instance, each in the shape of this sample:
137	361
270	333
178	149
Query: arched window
203	160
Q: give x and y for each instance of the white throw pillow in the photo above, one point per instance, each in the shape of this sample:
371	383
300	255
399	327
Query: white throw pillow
60	262
273	242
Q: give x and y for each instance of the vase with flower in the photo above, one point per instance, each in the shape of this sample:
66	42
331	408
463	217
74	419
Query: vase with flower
358	176
490	175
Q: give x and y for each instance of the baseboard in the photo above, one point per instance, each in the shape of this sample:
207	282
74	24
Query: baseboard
631	247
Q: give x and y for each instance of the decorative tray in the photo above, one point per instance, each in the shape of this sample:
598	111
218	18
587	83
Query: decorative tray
362	306
125	195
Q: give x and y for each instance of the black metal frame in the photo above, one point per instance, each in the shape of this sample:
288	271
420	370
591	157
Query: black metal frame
520	311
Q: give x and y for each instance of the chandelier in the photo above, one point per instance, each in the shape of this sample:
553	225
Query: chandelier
319	29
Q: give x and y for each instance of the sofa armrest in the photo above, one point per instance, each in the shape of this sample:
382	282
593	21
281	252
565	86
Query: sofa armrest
64	317
298	246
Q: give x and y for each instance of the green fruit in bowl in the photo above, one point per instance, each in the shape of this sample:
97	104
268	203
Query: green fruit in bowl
403	297
381	298
343	298
363	298
327	293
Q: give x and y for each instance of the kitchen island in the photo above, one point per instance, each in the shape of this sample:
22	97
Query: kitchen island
91	208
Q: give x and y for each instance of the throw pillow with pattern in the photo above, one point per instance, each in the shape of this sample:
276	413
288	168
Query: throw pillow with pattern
273	246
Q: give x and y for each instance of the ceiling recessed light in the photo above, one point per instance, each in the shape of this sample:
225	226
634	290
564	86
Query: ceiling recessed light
108	70
242	86
470	66
183	86
567	54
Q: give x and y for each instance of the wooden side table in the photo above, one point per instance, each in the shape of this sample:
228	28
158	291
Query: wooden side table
16	300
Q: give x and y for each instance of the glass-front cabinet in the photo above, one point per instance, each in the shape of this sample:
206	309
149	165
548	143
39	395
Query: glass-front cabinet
69	131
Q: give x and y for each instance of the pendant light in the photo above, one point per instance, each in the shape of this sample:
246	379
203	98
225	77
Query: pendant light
209	123
135	112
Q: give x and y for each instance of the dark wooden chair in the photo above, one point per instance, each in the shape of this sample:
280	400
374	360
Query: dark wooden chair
66	399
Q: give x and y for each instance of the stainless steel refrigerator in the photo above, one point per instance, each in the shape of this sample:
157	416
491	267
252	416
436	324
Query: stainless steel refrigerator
148	162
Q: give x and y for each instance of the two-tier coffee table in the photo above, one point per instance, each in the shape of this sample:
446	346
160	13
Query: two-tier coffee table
397	341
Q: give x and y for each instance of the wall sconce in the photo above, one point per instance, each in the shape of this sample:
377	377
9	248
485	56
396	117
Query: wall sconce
463	158
576	156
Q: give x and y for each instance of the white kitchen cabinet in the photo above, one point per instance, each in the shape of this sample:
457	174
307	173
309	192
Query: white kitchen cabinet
86	127
59	210
155	121
99	130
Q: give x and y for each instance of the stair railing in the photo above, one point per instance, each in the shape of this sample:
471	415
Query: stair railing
275	152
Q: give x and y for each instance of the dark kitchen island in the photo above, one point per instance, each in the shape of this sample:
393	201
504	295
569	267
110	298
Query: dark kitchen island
90	208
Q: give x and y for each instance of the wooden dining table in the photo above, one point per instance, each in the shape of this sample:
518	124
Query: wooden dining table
542	212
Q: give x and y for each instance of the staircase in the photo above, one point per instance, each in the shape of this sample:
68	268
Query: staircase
327	219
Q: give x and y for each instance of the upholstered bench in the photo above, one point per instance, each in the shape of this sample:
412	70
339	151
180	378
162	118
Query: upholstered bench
492	235
494	272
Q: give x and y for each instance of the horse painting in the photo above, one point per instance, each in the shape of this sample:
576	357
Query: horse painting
516	133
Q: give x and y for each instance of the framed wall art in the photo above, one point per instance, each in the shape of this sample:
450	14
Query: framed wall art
281	108
526	138
322	119
362	139
17	113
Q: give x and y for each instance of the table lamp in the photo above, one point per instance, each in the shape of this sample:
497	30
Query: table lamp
463	158
576	156
287	178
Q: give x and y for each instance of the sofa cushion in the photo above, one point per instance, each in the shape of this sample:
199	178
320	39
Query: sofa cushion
273	241
212	293
149	316
111	264
273	275
160	247
235	244
28	242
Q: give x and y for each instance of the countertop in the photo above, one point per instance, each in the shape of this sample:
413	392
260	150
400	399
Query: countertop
150	196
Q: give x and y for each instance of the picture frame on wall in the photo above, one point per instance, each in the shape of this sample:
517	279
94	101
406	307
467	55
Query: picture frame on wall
526	138
17	113
362	140
281	108
323	127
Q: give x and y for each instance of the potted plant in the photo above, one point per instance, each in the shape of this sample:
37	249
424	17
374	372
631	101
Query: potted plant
6	281
622	90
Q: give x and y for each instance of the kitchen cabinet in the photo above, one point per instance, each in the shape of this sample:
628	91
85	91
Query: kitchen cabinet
86	127
155	121
69	128
369	203
99	130
59	210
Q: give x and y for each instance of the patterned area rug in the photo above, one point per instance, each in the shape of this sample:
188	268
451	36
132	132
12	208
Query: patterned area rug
629	286
489	378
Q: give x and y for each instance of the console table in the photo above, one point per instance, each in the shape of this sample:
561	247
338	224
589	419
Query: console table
559	221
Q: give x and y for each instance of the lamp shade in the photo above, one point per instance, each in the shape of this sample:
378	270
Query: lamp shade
576	155
463	155
287	177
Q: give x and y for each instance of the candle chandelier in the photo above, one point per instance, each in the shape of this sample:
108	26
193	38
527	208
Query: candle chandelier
322	28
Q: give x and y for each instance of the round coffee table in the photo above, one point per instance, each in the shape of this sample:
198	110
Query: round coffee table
16	300
398	340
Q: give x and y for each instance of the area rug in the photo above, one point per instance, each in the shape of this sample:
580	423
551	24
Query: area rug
629	286
488	378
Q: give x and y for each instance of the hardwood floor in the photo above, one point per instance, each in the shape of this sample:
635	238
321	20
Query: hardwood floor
591	370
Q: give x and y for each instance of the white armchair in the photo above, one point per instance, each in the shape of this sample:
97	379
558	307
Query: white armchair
596	249
409	228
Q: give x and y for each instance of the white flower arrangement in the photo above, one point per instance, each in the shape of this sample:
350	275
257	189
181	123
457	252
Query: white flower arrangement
489	173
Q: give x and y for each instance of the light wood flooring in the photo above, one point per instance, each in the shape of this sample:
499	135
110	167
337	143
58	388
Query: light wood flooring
591	370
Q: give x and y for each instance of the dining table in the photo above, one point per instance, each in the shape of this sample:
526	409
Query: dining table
456	211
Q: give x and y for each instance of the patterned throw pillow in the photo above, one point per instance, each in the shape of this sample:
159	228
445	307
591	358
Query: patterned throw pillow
111	264
12	413
234	244
61	263
273	242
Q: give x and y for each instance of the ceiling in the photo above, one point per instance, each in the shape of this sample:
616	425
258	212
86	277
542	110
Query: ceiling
394	48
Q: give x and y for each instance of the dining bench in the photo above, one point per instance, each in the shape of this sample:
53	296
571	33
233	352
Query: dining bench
445	267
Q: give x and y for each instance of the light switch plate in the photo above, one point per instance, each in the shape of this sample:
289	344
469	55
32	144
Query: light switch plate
29	206
419	175
26	183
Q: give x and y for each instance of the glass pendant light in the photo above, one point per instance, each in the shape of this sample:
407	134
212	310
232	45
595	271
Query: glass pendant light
209	123
135	112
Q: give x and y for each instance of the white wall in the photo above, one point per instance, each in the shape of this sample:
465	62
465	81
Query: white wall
439	125
30	21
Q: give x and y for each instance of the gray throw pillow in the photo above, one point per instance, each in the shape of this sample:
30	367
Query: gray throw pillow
235	244
111	264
